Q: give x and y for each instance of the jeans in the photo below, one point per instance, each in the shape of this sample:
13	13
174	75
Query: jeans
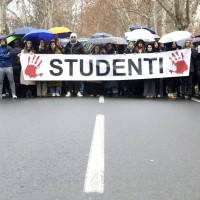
8	71
56	89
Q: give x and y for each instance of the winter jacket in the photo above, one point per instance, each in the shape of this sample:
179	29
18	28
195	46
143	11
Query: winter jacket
74	49
193	61
129	51
5	56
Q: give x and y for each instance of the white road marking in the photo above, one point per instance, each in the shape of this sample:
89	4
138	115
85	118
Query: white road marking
101	99
94	178
197	100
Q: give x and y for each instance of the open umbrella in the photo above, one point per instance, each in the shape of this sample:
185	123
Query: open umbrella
62	32
156	37
39	34
175	36
112	40
197	35
22	31
196	40
101	35
142	27
143	34
12	38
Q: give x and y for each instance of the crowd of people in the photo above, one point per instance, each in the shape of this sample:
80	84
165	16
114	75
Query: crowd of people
12	80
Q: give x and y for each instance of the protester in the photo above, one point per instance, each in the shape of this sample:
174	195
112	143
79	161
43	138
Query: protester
187	86
42	85
6	67
140	46
149	84
54	86
159	81
74	47
139	84
29	89
17	66
95	87
111	87
129	86
156	47
173	83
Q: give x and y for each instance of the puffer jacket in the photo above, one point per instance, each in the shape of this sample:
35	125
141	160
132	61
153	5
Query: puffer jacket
5	56
75	49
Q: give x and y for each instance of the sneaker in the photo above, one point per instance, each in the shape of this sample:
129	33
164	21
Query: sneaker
0	96
169	95
14	96
68	94
79	94
53	94
57	94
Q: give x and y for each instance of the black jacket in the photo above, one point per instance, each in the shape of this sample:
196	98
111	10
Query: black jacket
128	51
75	49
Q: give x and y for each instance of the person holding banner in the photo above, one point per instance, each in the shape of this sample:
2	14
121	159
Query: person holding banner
173	83
130	85
42	85
187	82
73	47
149	84
139	84
95	87
29	88
111	87
159	82
54	86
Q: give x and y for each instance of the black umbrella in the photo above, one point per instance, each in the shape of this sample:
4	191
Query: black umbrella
142	27
196	40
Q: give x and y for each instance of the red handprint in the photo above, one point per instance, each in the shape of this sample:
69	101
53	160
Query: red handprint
179	62
33	65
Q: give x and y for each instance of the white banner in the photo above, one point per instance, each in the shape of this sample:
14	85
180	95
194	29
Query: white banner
106	67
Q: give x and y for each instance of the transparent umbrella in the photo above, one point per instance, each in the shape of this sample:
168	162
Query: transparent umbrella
175	36
142	34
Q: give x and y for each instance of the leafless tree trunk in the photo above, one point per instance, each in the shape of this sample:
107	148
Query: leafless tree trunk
163	22
3	24
180	11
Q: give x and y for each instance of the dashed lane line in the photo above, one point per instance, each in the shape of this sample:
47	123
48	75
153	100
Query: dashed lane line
94	178
101	99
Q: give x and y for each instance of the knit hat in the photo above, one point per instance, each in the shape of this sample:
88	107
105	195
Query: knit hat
73	35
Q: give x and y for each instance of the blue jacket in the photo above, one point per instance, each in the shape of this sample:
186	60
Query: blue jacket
5	56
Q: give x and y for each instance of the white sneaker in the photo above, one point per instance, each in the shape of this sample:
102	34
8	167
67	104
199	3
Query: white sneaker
68	94
57	94
79	94
54	94
14	96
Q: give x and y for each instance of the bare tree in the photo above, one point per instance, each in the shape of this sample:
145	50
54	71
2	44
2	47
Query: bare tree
181	11
3	24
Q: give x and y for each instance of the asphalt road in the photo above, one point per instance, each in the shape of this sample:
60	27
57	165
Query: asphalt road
151	149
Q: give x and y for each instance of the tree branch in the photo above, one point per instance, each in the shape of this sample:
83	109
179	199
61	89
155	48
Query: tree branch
13	13
168	9
8	1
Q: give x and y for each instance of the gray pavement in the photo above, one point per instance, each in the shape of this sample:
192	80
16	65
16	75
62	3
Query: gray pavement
151	148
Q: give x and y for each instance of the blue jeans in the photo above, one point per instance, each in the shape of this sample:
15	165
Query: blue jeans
56	89
8	71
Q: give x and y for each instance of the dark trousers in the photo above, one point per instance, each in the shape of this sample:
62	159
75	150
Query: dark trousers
187	84
73	86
